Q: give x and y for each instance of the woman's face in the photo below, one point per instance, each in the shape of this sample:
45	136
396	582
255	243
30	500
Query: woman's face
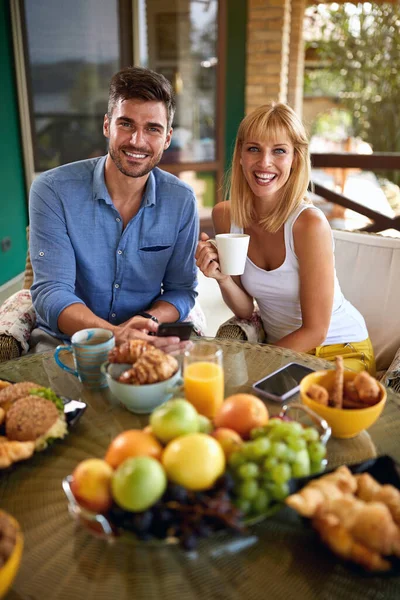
267	165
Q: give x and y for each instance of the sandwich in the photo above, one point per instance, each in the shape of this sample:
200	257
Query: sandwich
35	419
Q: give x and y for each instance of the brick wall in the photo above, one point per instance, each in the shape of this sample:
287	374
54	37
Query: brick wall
296	62
274	61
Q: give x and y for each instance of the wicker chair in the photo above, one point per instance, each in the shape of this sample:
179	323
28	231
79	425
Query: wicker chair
10	347
367	266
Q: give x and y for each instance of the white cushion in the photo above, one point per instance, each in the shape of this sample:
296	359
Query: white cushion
368	269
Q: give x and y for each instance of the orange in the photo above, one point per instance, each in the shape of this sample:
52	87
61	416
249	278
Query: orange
242	412
132	442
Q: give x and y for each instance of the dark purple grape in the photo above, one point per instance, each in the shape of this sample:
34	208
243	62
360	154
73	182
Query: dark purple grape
177	492
203	530
189	541
142	521
225	482
144	536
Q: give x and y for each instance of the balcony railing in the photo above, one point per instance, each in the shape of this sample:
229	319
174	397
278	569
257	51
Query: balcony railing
370	162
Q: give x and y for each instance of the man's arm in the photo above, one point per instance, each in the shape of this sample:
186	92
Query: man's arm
180	280
52	255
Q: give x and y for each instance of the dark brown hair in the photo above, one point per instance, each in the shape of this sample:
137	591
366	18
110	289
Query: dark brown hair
138	82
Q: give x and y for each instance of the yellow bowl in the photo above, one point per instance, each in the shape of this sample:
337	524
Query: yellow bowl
346	422
9	570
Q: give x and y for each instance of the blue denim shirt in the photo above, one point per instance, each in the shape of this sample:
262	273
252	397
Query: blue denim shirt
80	253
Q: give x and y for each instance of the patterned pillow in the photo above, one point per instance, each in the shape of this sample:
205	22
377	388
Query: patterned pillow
197	317
392	376
18	318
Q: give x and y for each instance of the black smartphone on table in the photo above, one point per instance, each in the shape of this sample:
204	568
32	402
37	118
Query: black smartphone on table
181	330
283	383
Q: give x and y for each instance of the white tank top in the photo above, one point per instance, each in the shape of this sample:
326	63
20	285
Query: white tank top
277	294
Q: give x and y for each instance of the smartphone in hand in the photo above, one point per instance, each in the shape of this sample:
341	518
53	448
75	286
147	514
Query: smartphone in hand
283	383
181	330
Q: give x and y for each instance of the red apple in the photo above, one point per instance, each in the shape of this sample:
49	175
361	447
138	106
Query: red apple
230	440
91	484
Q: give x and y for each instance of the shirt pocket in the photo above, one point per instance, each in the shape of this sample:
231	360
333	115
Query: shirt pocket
154	258
158	248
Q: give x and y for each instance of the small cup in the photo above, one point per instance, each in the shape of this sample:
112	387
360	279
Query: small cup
90	348
232	252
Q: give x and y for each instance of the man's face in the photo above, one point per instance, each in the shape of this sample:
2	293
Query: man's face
138	135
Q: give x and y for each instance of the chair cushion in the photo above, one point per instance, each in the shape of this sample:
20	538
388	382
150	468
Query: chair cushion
368	267
18	318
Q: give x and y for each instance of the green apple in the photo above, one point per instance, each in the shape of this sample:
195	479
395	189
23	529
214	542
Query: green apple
174	418
205	425
138	483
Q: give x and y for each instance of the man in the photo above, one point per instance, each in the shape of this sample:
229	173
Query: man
112	239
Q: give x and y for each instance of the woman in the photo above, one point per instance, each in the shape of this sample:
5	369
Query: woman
290	270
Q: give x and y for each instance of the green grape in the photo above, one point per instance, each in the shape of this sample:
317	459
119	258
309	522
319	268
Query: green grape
248	489
257	432
236	459
295	428
247	449
290	455
278	450
261	502
270	463
243	505
274	422
279	491
261	447
248	471
317	451
310	434
281	473
315	467
301	467
296	443
278	434
266	476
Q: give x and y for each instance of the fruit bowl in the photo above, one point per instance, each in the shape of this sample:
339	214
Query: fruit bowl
344	422
215	509
10	568
140	399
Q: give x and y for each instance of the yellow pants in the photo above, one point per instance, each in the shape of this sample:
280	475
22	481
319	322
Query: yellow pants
358	356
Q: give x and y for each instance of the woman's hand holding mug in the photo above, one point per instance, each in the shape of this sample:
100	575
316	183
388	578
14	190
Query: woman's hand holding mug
207	259
224	256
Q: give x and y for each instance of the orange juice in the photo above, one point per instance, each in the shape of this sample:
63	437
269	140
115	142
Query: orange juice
204	386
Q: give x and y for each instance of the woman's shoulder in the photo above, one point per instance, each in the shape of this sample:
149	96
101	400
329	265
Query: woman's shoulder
221	216
312	234
311	219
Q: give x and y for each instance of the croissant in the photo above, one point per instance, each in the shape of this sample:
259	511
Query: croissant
322	492
128	352
341	541
370	490
367	388
13	451
152	367
370	523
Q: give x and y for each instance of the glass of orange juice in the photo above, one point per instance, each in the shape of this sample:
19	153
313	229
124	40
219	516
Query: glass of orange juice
203	378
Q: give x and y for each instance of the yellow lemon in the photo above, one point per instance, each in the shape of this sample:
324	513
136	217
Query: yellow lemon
194	461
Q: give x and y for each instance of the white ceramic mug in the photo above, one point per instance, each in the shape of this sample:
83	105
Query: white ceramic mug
232	252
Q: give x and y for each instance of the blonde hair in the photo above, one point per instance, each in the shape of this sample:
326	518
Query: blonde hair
264	123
